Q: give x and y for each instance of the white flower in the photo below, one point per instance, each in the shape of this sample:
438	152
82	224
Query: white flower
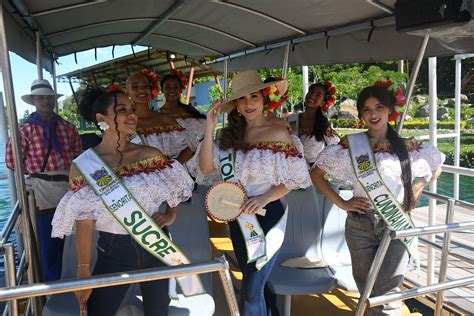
103	125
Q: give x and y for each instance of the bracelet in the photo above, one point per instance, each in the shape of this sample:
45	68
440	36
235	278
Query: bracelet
80	265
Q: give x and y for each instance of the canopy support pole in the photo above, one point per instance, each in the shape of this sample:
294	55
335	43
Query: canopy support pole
413	77
39	65
190	83
285	61
218	83
55	84
457	123
305	83
226	88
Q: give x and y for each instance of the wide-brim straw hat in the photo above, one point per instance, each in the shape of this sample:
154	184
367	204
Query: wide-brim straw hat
247	82
40	87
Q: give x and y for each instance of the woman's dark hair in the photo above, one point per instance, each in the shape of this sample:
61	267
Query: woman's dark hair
321	123
397	143
186	107
96	100
232	136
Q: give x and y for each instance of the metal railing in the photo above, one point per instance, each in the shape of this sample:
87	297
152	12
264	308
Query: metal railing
219	265
442	285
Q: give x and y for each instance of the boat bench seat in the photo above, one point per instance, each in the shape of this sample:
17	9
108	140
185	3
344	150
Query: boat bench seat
190	232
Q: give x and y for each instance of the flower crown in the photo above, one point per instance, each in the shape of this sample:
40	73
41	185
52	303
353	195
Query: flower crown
115	87
330	95
275	98
153	78
181	76
399	97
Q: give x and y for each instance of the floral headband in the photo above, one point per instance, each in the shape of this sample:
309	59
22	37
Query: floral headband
275	98
330	95
399	97
115	87
181	76
153	78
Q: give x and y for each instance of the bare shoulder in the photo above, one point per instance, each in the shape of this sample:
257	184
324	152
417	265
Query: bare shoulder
277	132
278	121
73	172
166	119
141	152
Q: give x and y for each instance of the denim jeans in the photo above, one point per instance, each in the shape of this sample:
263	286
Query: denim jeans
255	298
119	253
363	236
51	249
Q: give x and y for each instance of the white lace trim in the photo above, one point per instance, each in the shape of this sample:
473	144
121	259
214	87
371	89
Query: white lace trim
172	185
195	129
257	165
312	148
170	144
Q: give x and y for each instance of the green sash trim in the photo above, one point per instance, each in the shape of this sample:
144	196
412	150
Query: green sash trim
123	206
138	139
385	204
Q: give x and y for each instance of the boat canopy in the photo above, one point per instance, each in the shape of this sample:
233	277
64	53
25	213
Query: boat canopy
251	34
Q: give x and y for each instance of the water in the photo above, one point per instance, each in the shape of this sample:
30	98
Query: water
5	205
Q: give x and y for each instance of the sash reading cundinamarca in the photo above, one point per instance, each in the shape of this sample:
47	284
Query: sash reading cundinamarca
386	205
128	212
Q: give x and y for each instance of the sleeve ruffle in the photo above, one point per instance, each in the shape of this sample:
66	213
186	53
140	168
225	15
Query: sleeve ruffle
195	171
194	129
336	161
274	167
425	161
170	143
172	185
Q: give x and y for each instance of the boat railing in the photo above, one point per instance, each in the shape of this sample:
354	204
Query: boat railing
442	285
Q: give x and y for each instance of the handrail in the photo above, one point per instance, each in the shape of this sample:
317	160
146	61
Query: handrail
9	225
427	230
445	198
458	170
40	289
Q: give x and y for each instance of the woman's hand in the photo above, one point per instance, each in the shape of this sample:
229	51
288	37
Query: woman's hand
83	295
165	219
356	204
213	114
254	204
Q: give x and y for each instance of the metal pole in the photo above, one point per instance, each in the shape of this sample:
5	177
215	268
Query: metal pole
433	97
10	276
401	66
285	61
457	124
224	275
5	138
418	231
55	84
11	110
443	269
39	65
226	88
413	77
190	84
373	273
32	214
305	83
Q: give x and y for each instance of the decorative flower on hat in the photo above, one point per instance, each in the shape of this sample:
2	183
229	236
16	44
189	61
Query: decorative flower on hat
330	95
275	98
181	76
399	97
153	78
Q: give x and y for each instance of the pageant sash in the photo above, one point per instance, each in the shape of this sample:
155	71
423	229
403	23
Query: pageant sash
385	204
260	248
138	139
128	212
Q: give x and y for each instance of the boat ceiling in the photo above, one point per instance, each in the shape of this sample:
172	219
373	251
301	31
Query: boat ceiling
119	69
252	32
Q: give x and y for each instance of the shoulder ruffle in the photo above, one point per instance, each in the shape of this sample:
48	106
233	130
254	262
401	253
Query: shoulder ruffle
335	161
194	129
312	147
195	171
171	184
169	139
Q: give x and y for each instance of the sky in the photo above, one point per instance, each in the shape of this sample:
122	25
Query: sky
24	72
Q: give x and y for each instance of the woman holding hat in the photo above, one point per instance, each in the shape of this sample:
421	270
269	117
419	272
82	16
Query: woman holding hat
156	129
48	145
256	151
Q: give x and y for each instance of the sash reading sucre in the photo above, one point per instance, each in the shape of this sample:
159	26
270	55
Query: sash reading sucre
260	248
385	204
133	218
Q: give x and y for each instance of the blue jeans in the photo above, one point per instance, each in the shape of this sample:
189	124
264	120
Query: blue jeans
255	298
119	253
363	236
51	249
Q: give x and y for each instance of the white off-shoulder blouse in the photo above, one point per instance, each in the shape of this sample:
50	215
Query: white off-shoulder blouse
425	160
313	147
194	129
169	139
151	181
262	166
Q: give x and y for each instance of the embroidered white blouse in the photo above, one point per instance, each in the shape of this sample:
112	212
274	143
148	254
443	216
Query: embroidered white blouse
151	181
312	147
194	129
425	160
169	139
263	166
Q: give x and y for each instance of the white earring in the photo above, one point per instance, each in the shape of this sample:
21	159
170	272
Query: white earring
103	125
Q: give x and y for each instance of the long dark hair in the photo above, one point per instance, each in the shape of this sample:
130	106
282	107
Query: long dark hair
186	107
96	100
397	143
232	136
321	122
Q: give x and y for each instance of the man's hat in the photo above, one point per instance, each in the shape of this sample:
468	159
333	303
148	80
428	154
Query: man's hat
40	87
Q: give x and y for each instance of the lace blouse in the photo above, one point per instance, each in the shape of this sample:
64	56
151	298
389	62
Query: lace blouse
425	160
312	147
169	139
194	129
259	168
151	181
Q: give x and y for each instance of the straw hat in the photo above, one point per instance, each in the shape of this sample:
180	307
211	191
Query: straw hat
247	82
40	87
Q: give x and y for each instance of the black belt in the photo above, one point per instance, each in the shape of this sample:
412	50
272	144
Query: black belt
53	177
